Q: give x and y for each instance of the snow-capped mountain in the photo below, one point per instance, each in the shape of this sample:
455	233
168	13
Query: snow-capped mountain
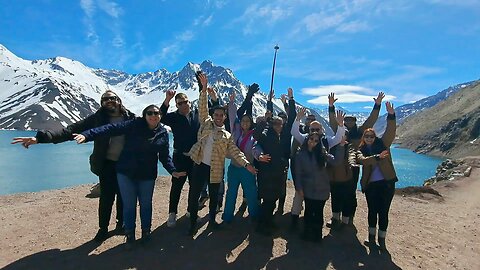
361	116
51	93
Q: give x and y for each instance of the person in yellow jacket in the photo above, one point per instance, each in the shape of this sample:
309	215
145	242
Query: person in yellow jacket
208	154
378	177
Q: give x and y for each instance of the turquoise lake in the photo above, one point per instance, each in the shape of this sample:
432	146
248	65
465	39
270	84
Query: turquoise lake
54	166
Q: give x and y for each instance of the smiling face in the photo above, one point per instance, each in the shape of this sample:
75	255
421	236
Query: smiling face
245	123
369	137
183	104
110	102
313	140
219	117
349	122
315	126
152	116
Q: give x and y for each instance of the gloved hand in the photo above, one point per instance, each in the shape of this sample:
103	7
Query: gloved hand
252	89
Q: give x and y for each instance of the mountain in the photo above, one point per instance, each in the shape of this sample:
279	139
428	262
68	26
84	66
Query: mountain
406	110
52	93
449	128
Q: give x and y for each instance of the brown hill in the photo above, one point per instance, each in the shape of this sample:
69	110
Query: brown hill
450	128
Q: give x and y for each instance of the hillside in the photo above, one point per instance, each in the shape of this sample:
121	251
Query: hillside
450	128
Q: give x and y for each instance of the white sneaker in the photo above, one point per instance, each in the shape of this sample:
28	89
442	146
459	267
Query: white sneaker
172	220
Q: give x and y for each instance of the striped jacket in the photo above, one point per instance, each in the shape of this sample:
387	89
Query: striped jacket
223	144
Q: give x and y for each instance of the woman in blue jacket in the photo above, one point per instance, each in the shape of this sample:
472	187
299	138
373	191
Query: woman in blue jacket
146	142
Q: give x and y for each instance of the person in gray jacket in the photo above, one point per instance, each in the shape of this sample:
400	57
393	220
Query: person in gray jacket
312	182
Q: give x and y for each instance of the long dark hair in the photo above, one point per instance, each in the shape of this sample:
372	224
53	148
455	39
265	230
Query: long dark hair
319	152
144	112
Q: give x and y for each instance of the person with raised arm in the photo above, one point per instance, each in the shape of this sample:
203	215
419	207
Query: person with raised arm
378	177
275	141
242	132
146	143
312	181
208	154
103	159
184	123
353	133
327	142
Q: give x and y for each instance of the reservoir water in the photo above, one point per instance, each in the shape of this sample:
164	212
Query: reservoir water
54	166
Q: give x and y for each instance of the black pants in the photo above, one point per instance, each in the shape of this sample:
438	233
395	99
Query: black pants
342	196
200	175
182	164
108	190
379	198
314	215
353	187
266	213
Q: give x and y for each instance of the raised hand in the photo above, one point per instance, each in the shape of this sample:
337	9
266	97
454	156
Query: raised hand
331	99
212	93
379	98
390	108
301	113
169	95
264	158
178	174
290	93
25	141
79	138
232	96
203	81
340	116
268	114
253	88
283	97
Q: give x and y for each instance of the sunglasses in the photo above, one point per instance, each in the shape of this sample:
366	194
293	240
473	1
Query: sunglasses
182	102
314	129
369	136
112	98
150	113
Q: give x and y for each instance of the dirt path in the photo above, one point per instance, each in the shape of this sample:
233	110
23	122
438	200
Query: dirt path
53	229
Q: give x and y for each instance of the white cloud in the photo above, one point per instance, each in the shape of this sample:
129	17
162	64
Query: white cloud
203	21
463	3
344	93
88	6
111	8
354	27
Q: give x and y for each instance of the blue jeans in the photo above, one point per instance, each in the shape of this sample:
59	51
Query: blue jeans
130	190
237	176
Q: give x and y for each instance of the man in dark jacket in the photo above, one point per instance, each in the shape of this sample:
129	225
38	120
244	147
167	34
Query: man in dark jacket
184	123
106	152
275	140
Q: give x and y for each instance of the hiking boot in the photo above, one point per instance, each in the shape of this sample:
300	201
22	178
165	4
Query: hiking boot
129	240
172	220
101	235
146	236
119	230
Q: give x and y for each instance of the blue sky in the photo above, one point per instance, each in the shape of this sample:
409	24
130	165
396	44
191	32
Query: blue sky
409	49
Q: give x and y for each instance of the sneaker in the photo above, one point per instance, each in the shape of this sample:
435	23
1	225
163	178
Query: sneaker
172	220
129	240
101	235
119	230
146	236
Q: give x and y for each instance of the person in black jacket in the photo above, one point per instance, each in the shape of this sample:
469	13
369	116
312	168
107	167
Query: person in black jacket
184	124
146	142
275	140
106	152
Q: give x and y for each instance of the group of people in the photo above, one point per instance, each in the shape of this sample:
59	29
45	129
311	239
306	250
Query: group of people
127	149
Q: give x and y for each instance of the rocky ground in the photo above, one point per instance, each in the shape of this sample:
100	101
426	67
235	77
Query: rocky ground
437	227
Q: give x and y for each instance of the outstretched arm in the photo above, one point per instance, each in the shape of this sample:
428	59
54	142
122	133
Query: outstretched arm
390	131
331	112
202	99
372	118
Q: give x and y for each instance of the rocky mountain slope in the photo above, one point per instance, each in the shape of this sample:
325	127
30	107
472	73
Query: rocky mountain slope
450	128
55	92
